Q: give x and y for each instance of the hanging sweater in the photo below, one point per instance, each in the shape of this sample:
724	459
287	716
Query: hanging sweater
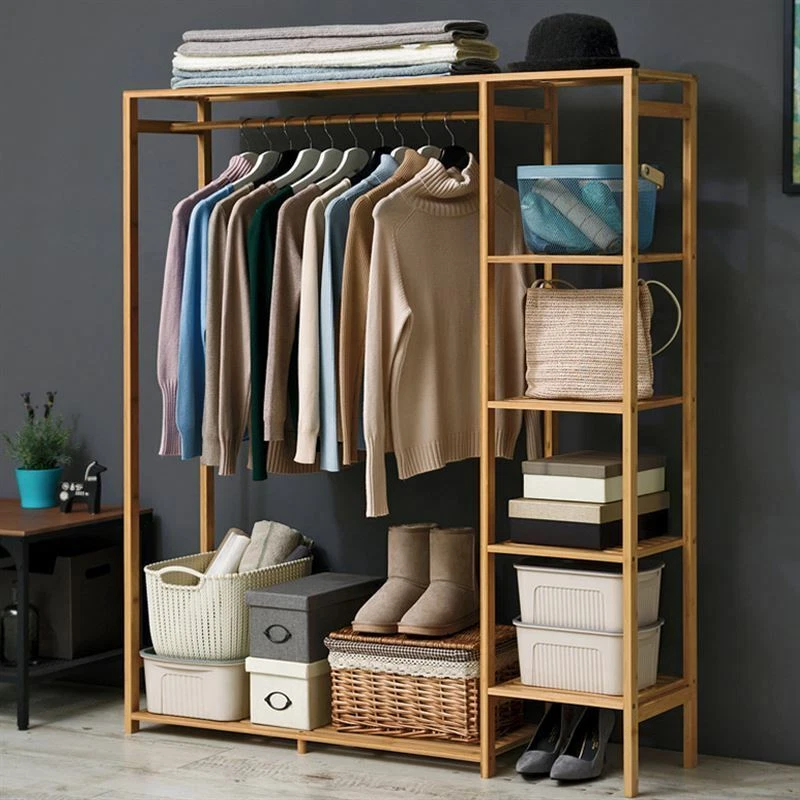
337	221
261	236
234	347
353	311
217	238
169	323
308	326
422	362
191	355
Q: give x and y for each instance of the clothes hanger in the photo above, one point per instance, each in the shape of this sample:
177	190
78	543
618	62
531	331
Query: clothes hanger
286	158
354	159
329	160
306	160
453	155
428	150
375	158
399	152
264	163
248	155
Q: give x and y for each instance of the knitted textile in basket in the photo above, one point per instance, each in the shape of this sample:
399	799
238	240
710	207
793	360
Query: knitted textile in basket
207	617
573	343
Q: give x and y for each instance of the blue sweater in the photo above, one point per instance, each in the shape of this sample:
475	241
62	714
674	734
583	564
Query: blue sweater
191	344
337	220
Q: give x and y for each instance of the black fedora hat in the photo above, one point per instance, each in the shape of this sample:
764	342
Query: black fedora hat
572	41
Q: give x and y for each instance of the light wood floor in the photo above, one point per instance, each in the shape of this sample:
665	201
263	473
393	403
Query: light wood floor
76	749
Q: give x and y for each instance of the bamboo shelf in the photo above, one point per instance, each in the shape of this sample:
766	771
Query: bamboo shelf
479	92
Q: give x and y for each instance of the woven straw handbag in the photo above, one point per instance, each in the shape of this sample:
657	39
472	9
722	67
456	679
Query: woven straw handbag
573	341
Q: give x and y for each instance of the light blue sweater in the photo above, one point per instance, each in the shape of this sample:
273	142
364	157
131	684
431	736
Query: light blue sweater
191	340
337	220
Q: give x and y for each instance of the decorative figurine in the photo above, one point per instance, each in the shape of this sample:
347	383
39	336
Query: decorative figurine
87	492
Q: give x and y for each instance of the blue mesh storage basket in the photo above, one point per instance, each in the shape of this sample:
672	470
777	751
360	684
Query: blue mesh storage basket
577	208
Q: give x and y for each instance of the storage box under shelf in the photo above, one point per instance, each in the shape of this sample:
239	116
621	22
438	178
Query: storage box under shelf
420	688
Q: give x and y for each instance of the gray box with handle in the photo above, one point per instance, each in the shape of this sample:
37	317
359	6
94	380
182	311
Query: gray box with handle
289	622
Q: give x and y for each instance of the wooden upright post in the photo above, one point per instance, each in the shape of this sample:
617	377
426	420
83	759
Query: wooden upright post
207	512
487	468
130	413
630	422
550	157
690	422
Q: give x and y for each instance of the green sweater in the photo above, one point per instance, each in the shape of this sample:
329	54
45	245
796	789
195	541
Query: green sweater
260	261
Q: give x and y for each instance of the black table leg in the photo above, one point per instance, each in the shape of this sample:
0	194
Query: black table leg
23	619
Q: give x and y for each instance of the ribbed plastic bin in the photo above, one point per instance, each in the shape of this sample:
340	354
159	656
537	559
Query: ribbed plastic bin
561	594
577	208
583	661
217	690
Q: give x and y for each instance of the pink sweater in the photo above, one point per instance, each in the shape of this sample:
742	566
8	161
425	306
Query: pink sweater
167	357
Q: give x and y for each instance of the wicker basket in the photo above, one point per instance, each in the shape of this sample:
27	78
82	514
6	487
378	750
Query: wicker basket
417	688
199	616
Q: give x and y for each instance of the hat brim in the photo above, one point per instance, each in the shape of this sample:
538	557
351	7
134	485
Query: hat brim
572	63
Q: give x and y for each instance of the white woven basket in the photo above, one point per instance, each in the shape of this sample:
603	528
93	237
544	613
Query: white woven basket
197	616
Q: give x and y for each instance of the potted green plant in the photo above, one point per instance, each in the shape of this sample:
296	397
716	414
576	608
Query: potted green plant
40	448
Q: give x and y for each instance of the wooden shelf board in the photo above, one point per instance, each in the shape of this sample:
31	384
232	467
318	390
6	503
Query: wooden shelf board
583	406
667	691
433	748
505	80
616	260
648	547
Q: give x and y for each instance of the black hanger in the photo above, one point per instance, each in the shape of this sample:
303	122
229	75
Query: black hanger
453	155
374	159
286	160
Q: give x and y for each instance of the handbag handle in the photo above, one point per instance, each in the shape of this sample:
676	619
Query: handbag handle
537	284
680	314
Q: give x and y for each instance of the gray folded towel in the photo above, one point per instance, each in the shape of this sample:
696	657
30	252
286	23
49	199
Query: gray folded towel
317	44
457	27
270	543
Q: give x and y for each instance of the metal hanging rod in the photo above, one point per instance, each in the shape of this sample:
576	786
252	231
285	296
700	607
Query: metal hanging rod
502	113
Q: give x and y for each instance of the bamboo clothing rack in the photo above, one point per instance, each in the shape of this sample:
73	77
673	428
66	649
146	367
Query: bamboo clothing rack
480	90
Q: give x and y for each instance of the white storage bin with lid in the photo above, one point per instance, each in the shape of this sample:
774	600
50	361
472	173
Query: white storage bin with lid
562	594
289	694
215	690
583	661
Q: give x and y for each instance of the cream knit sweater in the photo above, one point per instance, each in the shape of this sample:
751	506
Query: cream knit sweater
422	359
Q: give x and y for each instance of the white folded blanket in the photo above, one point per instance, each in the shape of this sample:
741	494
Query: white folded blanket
384	56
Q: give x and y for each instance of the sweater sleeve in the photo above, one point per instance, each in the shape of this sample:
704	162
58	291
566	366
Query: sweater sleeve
168	327
352	323
308	339
387	315
234	356
191	358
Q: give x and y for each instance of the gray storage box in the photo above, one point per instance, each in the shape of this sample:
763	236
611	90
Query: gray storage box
290	622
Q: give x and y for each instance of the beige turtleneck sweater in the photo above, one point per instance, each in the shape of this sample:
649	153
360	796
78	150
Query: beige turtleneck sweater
353	312
422	356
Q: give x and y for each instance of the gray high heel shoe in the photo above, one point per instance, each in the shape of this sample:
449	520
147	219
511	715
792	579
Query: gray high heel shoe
552	734
585	754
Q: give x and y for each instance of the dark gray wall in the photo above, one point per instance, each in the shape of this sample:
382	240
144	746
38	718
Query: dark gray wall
64	66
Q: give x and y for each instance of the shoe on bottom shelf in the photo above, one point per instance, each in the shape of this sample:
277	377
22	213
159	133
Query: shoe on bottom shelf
552	735
585	754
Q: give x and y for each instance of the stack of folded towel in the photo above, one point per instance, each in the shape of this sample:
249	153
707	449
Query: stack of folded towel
332	53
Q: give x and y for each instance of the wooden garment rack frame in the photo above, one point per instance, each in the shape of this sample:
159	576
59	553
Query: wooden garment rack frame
636	706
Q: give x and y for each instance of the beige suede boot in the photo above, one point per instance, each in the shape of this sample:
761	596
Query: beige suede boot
450	603
409	574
